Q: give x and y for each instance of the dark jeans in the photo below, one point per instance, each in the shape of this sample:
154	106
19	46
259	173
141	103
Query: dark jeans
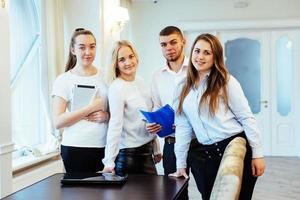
137	160
82	159
169	164
205	161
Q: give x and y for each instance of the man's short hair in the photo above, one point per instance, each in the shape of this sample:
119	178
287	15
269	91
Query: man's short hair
170	30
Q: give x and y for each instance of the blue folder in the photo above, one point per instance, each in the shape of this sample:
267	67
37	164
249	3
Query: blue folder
163	116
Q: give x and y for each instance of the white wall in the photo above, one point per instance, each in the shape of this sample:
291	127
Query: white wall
82	14
147	19
95	15
6	145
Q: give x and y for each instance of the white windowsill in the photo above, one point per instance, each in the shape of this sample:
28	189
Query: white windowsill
24	163
32	172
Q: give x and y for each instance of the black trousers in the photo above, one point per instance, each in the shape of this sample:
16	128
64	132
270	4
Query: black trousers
169	163
137	160
169	159
205	161
82	159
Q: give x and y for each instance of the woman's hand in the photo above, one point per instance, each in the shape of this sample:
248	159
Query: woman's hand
258	166
153	128
157	158
98	117
108	170
180	172
96	104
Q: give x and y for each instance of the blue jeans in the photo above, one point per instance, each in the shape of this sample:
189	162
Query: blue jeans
136	160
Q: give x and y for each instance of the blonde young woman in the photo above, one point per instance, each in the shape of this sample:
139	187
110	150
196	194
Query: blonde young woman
129	146
213	106
84	134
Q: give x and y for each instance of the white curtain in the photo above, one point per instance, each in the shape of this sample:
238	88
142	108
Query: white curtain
53	53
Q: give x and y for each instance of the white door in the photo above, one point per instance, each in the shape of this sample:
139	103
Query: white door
244	57
260	59
285	62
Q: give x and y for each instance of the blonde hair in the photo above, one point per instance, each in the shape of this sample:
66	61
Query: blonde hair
217	79
113	71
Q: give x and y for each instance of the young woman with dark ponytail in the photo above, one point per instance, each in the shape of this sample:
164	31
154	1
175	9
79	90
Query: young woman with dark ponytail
84	134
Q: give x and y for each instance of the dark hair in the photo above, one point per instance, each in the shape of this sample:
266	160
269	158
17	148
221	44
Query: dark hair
170	30
71	62
216	89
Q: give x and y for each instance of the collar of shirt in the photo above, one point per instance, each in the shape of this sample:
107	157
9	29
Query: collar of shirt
201	85
184	65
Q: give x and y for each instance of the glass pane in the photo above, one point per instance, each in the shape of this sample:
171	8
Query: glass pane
25	106
243	62
24	31
27	114
284	75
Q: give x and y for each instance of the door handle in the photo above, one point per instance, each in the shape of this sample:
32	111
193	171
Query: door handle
263	101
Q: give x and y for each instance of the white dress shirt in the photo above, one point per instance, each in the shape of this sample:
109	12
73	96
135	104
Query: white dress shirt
126	126
224	124
164	84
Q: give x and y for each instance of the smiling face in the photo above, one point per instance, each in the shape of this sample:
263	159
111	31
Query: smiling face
84	49
127	63
202	57
172	46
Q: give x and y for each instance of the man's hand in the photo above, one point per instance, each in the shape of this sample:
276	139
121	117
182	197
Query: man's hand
153	128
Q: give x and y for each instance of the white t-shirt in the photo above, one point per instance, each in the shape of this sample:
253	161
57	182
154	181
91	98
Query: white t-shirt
126	126
83	133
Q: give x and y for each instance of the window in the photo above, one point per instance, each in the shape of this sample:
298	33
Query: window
247	72
31	127
284	75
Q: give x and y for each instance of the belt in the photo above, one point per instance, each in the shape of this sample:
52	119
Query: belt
194	143
224	143
170	140
144	149
218	148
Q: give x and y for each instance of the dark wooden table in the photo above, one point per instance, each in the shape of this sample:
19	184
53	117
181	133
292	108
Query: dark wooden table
137	187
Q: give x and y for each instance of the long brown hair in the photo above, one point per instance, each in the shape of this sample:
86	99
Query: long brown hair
216	86
71	62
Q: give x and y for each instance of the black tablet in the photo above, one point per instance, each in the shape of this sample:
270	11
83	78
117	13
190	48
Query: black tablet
92	178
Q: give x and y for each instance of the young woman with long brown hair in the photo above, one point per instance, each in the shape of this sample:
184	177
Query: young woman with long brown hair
211	103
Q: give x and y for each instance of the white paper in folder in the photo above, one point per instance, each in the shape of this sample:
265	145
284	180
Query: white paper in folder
82	95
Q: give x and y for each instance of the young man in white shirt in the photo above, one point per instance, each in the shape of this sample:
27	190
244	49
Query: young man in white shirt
164	84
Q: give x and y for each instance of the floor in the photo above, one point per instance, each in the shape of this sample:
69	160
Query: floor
281	181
